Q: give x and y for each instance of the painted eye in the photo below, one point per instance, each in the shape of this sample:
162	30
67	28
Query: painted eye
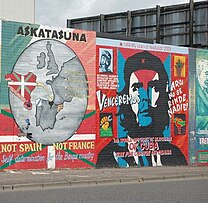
154	85
136	86
156	88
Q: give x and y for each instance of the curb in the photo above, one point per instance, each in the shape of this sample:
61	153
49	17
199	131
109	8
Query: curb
48	185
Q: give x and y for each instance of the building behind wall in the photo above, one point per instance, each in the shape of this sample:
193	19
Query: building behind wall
182	25
21	10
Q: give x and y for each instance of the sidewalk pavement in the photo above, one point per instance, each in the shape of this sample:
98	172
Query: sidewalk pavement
13	180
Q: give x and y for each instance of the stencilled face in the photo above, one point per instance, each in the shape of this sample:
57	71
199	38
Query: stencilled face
105	61
144	85
202	72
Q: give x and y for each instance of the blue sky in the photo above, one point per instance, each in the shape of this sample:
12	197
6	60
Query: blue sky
56	12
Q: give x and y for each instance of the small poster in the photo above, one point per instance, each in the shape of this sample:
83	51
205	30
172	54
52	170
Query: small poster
106	125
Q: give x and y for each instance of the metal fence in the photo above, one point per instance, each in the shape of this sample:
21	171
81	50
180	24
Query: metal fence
183	25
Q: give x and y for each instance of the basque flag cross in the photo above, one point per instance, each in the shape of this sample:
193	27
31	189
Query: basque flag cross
22	86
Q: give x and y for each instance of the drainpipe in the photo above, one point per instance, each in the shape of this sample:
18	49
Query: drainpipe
158	24
129	23
102	22
191	22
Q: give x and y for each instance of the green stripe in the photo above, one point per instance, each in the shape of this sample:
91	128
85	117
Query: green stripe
18	89
28	77
16	76
27	89
80	158
13	160
89	114
32	152
6	113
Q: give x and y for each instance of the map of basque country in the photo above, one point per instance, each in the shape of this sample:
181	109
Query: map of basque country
23	85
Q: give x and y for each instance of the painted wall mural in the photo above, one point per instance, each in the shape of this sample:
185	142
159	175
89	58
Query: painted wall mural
149	102
201	107
47	102
69	99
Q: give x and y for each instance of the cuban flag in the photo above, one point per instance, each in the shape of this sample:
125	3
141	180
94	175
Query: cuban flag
22	86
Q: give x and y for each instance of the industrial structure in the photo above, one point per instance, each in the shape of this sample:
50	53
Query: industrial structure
182	25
